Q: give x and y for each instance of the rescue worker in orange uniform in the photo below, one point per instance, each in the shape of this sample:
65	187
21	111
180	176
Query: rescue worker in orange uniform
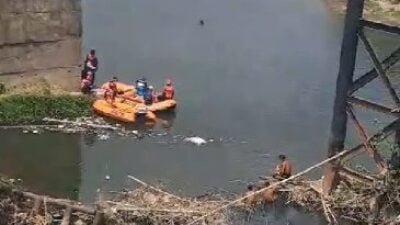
111	91
284	169
168	91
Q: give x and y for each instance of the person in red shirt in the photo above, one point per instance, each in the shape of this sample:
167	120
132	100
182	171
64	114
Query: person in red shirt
86	83
168	91
91	63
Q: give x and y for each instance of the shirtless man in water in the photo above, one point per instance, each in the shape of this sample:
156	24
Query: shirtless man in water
284	169
269	195
251	200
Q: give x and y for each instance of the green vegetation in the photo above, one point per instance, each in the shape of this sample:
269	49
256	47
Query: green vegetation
2	89
31	109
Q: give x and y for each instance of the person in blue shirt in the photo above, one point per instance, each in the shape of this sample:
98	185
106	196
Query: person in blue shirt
141	87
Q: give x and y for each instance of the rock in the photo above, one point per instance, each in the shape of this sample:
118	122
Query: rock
35	132
195	140
25	131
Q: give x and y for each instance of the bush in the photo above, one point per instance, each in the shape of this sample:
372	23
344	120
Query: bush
31	109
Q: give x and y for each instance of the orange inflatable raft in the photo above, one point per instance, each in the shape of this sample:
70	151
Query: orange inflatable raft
124	109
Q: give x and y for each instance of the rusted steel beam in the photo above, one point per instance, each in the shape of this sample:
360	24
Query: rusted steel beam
343	85
378	67
362	135
381	27
372	74
385	132
371	105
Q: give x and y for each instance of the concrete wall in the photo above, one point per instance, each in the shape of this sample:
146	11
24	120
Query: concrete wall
39	36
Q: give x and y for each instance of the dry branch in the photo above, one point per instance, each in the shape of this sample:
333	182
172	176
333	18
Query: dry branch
60	202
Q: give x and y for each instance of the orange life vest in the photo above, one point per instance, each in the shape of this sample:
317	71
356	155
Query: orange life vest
169	92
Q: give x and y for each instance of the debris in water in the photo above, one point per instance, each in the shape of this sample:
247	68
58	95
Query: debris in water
135	132
35	132
156	206
108	177
25	131
162	134
104	137
266	155
195	140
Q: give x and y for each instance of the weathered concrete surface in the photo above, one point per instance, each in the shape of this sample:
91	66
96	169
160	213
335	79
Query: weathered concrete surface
39	36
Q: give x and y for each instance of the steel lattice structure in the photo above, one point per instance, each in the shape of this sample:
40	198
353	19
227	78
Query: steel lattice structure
345	100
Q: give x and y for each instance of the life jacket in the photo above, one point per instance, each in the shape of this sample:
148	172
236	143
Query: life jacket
111	91
141	88
169	92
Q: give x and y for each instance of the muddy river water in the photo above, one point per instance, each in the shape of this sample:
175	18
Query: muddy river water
256	80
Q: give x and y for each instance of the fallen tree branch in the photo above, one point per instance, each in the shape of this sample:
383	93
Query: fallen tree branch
325	209
60	202
128	207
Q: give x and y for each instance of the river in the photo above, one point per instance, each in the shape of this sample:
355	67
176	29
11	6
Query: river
256	80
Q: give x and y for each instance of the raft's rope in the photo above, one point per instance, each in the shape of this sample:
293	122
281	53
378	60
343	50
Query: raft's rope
272	185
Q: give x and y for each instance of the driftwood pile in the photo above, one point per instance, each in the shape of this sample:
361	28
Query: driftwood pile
376	202
152	206
18	207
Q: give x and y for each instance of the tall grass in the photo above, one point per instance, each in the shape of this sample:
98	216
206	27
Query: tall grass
31	109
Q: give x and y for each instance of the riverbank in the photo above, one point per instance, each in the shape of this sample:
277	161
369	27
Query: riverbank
385	11
18	109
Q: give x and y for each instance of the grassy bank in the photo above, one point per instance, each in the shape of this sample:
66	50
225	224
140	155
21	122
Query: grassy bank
386	11
31	109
